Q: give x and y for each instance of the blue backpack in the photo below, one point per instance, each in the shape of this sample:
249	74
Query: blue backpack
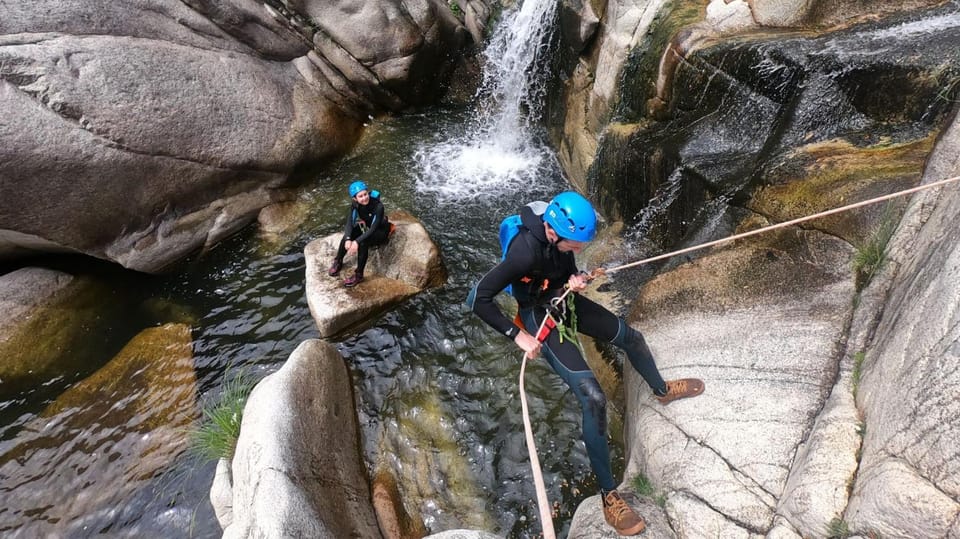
509	228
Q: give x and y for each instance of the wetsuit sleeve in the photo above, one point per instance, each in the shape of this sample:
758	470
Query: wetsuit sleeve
348	227
518	262
375	223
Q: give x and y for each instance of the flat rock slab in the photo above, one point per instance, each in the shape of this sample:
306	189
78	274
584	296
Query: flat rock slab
761	324
407	265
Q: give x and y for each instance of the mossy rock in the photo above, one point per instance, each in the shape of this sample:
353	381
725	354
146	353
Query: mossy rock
49	318
826	175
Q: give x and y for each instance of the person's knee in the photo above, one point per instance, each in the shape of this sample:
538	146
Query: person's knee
629	338
594	401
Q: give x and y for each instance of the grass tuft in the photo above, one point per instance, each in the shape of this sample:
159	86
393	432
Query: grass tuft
642	486
838	529
216	438
870	256
857	370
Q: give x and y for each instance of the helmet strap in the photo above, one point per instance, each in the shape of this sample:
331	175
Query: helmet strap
552	235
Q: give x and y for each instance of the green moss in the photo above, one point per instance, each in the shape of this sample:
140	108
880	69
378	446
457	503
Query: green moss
827	175
639	75
838	528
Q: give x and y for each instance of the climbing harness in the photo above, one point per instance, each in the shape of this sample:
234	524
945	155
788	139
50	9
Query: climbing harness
542	501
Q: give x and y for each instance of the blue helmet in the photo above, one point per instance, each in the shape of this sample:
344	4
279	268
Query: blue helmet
571	216
356	187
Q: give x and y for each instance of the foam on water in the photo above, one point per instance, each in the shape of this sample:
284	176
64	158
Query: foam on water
882	40
498	150
458	170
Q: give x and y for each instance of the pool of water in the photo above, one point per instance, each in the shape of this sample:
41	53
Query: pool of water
437	389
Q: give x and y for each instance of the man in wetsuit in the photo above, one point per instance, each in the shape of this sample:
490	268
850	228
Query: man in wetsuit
367	225
538	264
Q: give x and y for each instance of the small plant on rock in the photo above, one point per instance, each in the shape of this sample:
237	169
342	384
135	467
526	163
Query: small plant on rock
216	438
857	370
455	8
643	487
838	529
870	256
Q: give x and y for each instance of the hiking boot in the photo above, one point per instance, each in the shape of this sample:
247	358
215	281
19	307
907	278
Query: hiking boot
353	280
681	389
335	267
621	516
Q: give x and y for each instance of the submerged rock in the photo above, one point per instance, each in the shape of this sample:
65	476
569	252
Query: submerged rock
45	316
440	482
102	439
392	515
407	265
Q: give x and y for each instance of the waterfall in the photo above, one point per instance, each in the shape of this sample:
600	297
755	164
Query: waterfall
499	147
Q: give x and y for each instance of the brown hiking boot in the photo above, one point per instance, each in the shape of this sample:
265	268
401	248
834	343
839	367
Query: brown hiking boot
681	389
621	516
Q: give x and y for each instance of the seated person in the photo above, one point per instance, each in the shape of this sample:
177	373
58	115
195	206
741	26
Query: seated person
366	226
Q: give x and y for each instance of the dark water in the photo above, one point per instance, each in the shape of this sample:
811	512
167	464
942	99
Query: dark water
428	362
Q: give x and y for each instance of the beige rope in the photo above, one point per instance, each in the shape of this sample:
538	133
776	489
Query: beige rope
778	225
543	502
546	520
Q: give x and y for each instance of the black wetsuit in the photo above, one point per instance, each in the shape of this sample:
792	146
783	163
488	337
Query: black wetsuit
368	225
537	272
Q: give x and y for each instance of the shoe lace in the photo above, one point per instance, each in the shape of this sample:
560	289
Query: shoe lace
618	508
679	386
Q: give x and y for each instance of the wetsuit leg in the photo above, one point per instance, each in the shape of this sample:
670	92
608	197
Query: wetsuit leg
567	361
363	251
378	237
342	249
598	322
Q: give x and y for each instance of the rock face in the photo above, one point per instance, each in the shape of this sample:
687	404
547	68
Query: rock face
826	406
908	483
762	325
297	470
158	127
130	424
408	264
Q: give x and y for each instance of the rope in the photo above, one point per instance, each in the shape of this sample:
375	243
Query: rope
776	226
542	501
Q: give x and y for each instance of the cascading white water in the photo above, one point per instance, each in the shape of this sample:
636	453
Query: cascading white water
499	147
